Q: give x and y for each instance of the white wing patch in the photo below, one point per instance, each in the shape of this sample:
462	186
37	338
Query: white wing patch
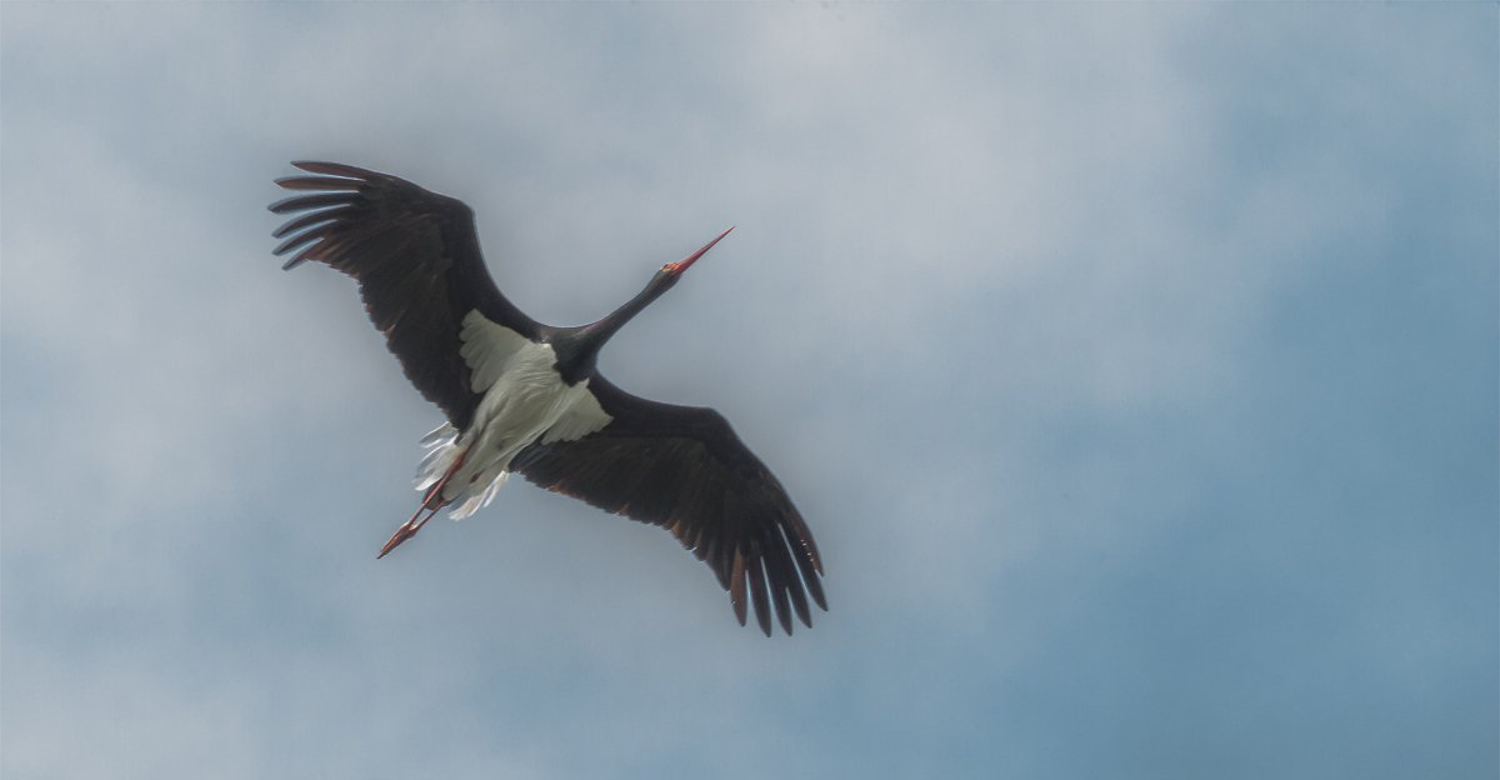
580	419
487	347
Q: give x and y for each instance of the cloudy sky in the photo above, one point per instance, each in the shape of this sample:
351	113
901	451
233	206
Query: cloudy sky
1135	365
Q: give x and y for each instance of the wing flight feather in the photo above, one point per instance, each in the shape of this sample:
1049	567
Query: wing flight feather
683	468
416	257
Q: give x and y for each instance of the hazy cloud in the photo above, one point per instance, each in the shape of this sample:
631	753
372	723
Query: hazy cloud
1135	365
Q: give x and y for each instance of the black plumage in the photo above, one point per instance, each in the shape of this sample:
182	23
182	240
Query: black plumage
415	255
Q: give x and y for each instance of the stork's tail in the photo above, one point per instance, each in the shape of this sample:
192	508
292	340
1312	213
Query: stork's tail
442	452
444	456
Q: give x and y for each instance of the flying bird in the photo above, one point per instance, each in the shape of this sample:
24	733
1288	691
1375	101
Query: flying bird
525	397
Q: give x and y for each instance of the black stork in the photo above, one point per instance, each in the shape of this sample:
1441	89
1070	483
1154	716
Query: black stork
526	397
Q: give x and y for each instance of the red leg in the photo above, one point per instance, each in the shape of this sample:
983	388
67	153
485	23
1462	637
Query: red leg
431	504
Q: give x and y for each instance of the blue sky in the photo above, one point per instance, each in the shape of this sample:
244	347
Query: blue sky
1135	365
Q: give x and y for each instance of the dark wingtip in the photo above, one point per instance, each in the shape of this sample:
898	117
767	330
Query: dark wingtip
319	183
296	241
316	166
737	594
336	169
815	589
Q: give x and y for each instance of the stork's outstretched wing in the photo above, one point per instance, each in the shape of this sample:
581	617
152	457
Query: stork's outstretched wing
684	469
416	257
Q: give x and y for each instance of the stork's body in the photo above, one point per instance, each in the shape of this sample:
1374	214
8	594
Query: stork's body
522	396
523	399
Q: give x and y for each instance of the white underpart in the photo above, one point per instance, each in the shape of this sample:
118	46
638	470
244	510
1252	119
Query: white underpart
524	400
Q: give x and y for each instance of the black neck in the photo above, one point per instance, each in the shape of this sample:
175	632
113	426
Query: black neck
578	348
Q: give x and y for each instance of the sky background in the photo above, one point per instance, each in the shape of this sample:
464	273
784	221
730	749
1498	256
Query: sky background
1135	366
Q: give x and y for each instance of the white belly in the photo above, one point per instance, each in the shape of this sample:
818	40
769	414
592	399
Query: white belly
524	399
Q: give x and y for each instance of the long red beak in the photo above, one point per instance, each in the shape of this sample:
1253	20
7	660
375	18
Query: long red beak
682	265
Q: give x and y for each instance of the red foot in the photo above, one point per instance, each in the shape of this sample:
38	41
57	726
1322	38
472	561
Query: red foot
406	531
431	503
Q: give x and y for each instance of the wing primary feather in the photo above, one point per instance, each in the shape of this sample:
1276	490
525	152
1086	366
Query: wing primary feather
807	561
799	603
296	241
317	183
737	587
301	258
795	577
785	581
802	539
306	202
758	592
338	169
314	218
814	587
